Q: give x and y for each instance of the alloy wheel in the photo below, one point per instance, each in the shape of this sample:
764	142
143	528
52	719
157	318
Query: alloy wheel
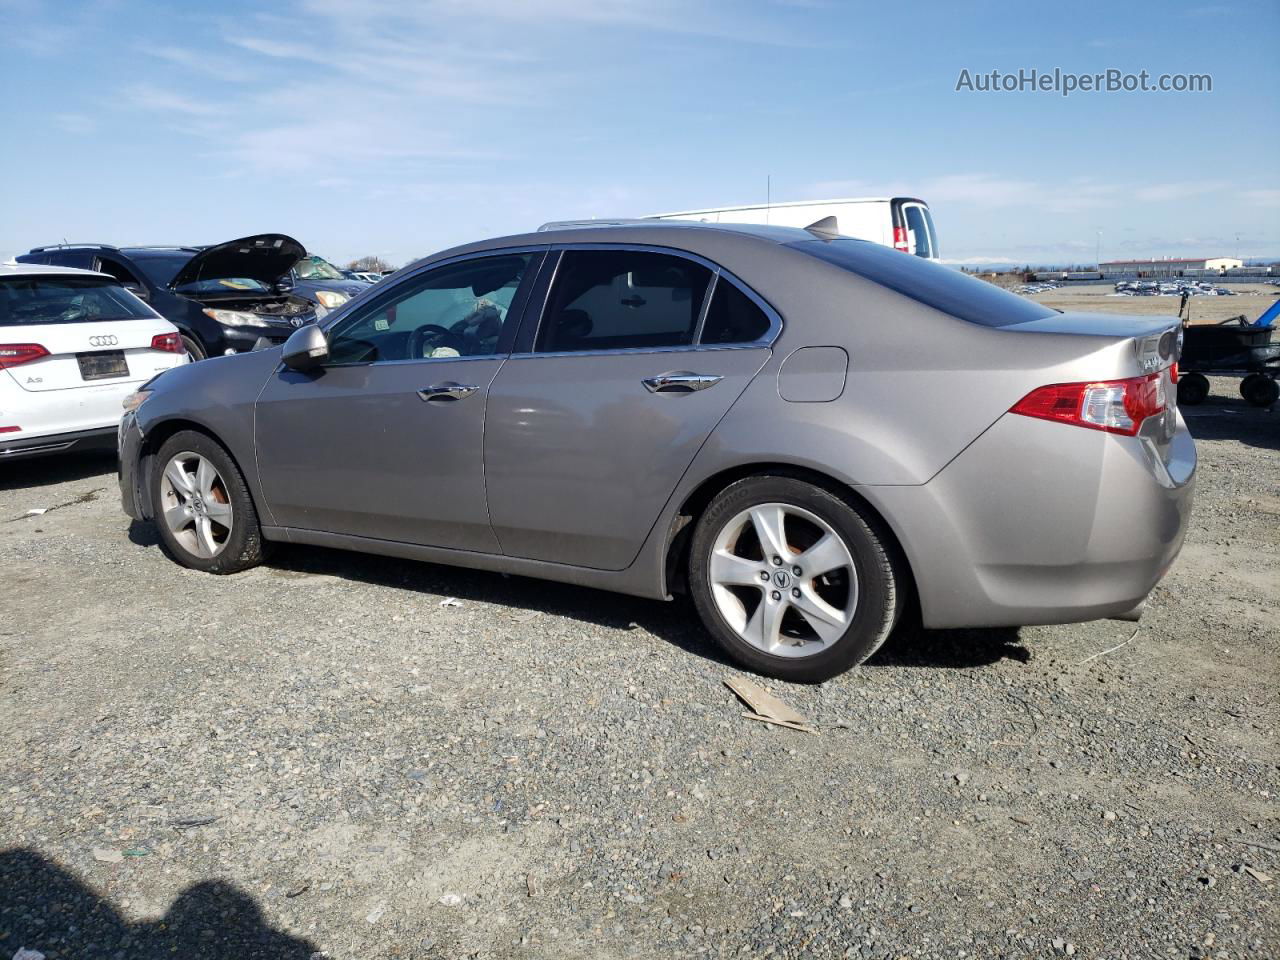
195	504
783	579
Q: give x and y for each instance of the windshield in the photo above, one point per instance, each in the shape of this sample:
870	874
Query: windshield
49	299
926	282
317	268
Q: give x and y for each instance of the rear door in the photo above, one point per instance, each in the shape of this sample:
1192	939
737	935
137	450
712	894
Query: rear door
592	421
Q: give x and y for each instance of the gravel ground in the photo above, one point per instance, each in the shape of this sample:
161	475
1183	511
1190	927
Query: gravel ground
318	758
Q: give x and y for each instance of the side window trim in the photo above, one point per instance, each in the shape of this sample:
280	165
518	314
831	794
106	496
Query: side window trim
506	338
525	346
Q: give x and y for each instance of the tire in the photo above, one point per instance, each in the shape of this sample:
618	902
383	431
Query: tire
1259	390
1192	389
194	348
202	508
824	624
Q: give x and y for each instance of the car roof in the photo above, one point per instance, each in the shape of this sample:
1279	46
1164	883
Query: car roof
711	240
40	269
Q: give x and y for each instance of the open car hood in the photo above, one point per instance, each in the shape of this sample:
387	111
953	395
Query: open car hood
265	258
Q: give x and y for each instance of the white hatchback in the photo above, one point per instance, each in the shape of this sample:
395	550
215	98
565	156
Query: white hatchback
73	345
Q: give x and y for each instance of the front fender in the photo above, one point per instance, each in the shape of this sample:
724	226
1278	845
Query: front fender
217	396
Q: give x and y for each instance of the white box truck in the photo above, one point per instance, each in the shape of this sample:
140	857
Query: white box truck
903	223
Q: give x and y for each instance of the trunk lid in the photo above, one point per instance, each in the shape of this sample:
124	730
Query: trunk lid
265	257
1136	347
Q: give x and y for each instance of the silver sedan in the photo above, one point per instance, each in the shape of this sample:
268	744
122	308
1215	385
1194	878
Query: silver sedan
810	435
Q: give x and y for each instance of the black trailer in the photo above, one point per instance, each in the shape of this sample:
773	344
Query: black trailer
1235	347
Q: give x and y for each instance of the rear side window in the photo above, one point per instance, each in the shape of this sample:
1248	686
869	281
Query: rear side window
28	301
733	317
932	284
622	300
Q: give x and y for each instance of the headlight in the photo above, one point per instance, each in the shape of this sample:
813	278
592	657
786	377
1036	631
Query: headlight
331	298
238	318
134	400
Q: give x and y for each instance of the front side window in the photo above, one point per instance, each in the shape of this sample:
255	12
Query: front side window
622	300
458	310
27	301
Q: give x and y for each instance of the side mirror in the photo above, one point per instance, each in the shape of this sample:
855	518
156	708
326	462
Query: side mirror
284	284
305	349
138	291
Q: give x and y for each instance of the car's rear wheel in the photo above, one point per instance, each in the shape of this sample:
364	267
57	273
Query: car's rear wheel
1259	390
194	348
1192	389
791	580
203	509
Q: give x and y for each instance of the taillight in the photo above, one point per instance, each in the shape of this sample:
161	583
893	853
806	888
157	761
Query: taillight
900	239
13	354
1116	406
1173	373
167	342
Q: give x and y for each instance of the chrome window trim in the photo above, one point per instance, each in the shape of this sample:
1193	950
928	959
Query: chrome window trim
343	311
770	337
622	351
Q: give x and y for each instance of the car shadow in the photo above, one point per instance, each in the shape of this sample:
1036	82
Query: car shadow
46	908
1219	418
26	474
675	622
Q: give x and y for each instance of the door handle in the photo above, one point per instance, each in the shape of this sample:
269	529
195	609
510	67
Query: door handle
447	391
680	381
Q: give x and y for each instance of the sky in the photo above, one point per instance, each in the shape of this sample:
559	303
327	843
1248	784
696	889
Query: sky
400	127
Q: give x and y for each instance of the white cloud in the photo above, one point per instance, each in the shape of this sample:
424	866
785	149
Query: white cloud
143	96
1262	198
76	123
1169	192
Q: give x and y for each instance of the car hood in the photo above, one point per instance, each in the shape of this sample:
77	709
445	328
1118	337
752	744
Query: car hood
265	258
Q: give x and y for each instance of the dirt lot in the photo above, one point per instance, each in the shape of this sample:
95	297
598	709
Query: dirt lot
1252	299
317	757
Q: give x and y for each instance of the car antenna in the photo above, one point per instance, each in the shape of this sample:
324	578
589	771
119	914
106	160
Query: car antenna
824	229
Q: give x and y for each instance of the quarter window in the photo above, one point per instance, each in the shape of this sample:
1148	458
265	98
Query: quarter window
458	310
733	317
621	300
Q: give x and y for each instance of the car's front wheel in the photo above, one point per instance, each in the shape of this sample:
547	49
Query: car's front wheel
793	581
202	507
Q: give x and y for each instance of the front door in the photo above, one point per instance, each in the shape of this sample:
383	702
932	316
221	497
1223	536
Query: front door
639	355
385	440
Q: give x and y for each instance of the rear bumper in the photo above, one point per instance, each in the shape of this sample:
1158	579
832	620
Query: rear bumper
1038	522
101	438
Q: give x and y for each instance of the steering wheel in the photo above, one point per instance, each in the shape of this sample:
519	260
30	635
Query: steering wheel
436	336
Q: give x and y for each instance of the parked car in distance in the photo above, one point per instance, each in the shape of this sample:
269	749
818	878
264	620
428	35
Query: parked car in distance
223	299
809	435
903	223
73	345
321	282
